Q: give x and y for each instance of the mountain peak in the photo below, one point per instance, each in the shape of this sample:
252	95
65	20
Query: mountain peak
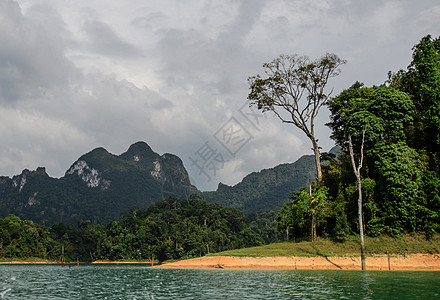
95	154
98	186
140	146
139	151
42	171
99	151
96	157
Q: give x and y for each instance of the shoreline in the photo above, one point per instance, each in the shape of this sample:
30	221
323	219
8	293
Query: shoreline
412	262
20	262
124	262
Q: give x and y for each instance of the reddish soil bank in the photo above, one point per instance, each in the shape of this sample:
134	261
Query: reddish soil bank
419	262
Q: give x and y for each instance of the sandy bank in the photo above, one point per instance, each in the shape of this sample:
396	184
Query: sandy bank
19	262
419	262
122	262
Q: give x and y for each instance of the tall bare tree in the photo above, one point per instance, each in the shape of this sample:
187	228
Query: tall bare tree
357	172
294	90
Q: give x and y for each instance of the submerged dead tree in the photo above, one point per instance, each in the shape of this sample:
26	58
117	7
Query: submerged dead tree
357	172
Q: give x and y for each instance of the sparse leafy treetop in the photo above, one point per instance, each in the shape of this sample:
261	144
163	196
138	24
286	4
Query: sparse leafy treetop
296	85
294	89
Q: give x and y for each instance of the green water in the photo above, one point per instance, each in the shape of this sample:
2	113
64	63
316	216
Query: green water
136	282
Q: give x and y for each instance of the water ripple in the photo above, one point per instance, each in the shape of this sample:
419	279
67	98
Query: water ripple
134	282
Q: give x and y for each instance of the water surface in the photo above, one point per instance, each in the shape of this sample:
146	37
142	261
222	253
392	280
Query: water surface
137	282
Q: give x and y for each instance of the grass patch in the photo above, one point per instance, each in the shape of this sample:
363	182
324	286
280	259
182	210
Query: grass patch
406	244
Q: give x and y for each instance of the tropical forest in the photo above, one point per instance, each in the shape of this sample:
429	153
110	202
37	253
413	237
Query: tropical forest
383	180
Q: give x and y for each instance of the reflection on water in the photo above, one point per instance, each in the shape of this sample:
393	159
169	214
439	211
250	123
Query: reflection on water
136	282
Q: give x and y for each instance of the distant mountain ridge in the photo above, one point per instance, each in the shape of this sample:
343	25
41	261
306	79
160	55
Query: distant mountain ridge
267	189
98	186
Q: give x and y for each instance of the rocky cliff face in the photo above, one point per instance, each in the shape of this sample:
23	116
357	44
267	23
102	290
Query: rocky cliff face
98	186
89	175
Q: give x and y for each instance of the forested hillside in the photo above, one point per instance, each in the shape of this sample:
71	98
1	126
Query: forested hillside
99	186
389	141
265	190
169	229
394	130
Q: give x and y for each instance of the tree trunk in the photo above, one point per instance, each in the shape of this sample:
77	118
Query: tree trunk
314	235
357	172
361	223
317	160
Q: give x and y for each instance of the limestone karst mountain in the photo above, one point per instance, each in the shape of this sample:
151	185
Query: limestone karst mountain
99	186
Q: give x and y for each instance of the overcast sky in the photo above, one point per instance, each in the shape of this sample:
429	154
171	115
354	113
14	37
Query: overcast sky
81	74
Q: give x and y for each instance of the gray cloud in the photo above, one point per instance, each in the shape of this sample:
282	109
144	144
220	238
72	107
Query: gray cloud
52	113
77	75
31	61
105	41
189	57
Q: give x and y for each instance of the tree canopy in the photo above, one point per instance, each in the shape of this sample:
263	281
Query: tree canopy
170	229
294	89
397	124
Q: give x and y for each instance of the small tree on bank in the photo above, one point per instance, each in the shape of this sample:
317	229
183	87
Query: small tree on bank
295	218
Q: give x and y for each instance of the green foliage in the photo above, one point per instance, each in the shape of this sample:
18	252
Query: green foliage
383	112
295	217
124	181
342	107
265	225
426	65
23	239
170	229
174	228
393	169
400	180
422	82
401	162
289	77
395	109
294	89
403	245
400	183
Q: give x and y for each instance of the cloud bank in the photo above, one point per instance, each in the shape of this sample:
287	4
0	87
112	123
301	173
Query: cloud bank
78	75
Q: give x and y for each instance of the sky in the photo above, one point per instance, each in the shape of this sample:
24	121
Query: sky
76	75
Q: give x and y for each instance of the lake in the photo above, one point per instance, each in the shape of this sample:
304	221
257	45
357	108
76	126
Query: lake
112	281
